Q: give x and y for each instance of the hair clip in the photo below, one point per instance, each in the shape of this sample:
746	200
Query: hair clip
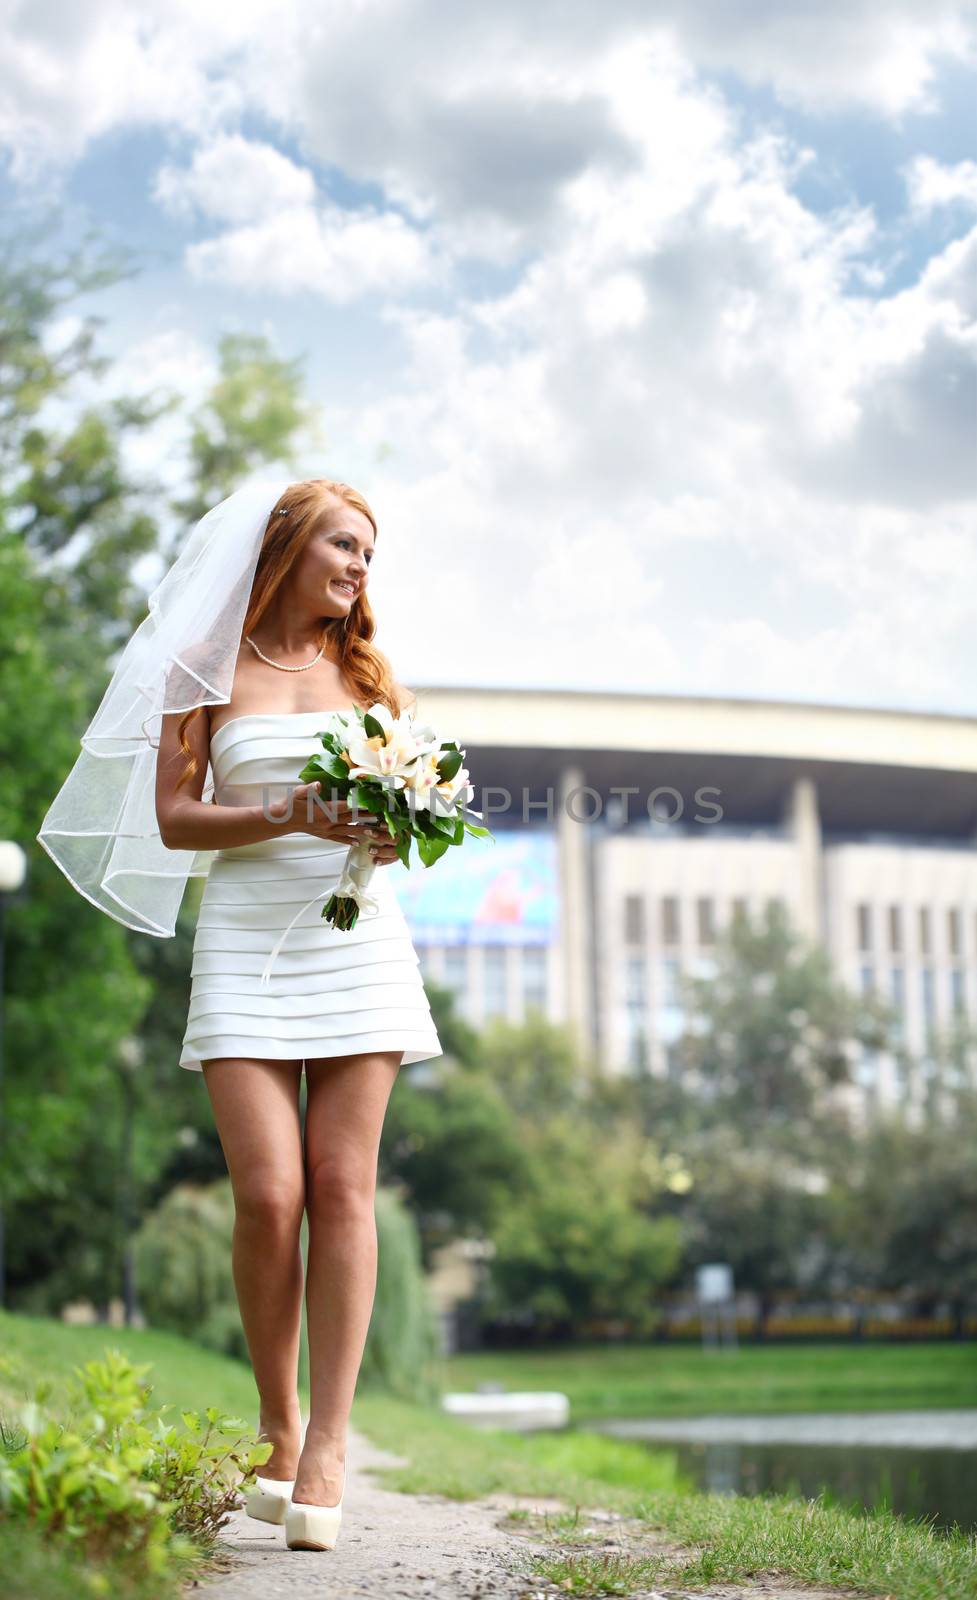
283	511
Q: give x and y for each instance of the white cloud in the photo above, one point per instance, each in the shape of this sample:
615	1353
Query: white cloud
337	254
825	55
932	183
475	109
690	443
282	237
234	180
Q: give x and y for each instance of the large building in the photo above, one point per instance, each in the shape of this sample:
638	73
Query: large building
630	827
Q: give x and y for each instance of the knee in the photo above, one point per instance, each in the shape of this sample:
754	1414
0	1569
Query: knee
338	1189
272	1204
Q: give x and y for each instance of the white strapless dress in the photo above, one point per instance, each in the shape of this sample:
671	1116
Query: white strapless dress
329	993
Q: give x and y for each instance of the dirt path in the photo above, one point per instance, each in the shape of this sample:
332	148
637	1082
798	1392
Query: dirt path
404	1546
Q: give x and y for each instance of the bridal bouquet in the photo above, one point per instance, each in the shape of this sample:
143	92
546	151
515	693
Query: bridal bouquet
402	771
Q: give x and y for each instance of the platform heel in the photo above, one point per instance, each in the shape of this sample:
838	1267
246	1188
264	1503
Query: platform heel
311	1527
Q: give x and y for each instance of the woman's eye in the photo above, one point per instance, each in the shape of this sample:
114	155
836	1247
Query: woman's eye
369	559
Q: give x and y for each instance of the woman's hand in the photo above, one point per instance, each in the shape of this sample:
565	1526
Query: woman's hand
333	821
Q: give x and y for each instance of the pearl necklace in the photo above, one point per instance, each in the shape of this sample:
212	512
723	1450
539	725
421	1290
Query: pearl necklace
278	664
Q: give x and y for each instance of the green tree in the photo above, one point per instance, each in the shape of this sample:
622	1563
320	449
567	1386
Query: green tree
254	414
72	992
905	1218
454	1150
772	1033
753	1206
579	1245
63	484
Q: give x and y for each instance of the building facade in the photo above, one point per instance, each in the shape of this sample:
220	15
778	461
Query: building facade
629	829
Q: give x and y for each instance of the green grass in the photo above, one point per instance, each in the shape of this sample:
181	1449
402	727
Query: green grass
726	1538
673	1381
669	1535
183	1374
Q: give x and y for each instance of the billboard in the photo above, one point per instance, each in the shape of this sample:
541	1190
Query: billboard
483	892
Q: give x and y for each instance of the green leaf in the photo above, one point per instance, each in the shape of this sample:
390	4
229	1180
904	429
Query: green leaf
431	850
449	765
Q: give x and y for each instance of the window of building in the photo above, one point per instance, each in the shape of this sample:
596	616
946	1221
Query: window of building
495	970
895	928
534	972
867	974
671	931
924	931
863	917
898	982
953	930
636	1009
958	998
634	918
705	920
929	1000
671	972
738	908
635	984
456	969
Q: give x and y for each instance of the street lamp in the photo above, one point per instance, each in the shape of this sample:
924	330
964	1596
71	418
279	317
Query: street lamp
13	873
130	1059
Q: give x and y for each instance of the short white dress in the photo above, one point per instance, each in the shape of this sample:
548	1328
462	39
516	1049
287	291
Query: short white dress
330	993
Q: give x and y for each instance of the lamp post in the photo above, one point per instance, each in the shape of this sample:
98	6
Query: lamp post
13	873
130	1059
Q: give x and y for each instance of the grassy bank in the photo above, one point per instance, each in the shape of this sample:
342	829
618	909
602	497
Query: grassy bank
98	1552
661	1532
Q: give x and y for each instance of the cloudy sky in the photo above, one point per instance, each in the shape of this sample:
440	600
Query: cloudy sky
648	329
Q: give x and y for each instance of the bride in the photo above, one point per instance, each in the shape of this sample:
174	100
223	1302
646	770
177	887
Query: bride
243	688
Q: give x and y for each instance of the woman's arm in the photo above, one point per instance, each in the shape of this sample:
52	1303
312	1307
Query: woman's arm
188	823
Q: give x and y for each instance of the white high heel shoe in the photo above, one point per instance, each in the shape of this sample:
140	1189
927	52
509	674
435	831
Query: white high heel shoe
269	1499
310	1527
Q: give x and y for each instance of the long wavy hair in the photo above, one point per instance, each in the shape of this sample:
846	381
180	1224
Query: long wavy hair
363	666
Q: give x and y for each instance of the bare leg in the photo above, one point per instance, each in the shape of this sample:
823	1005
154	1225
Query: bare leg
347	1101
256	1108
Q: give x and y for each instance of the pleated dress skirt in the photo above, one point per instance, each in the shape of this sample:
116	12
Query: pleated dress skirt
330	993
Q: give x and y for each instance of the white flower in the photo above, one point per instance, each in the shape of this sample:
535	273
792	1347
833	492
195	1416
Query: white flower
423	781
388	755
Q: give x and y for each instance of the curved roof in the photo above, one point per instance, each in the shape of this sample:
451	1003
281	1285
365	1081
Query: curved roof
902	771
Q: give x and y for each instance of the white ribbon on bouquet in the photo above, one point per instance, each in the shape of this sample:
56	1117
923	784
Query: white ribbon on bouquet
354	881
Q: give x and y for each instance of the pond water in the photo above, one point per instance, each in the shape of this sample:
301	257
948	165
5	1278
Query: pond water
923	1463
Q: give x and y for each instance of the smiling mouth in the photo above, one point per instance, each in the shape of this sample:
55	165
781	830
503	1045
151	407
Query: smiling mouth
347	588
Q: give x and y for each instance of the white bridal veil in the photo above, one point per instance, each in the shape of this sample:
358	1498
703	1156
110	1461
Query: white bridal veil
101	828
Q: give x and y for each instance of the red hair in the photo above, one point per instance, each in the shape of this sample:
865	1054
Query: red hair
362	665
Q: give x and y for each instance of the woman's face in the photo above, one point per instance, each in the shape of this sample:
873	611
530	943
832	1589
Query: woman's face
333	569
